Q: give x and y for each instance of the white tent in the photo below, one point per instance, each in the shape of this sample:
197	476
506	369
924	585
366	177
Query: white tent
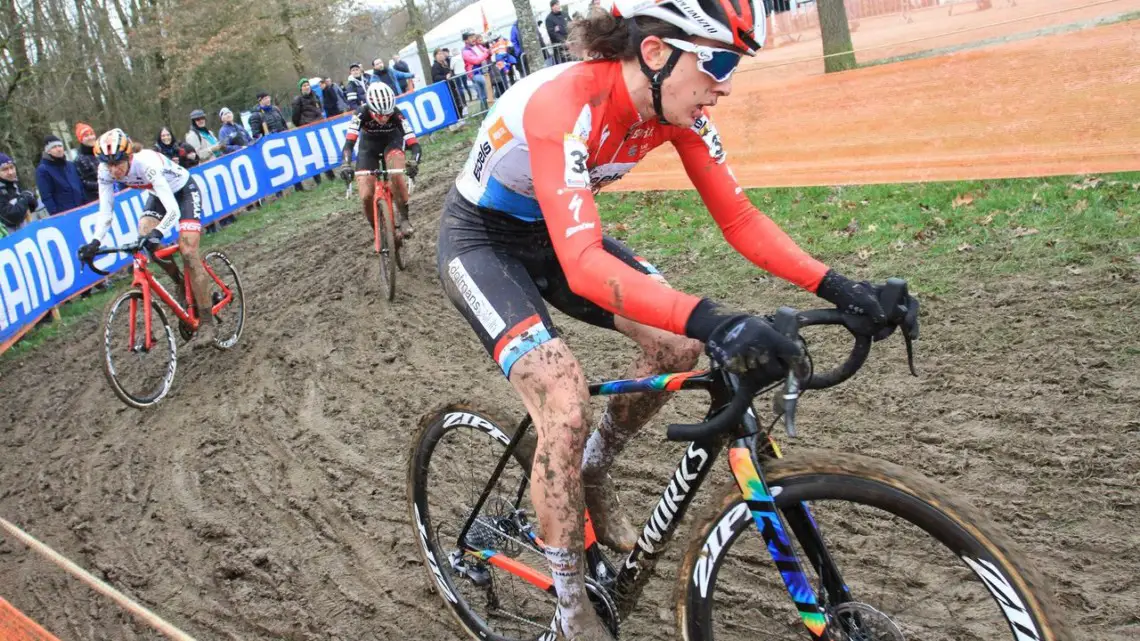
500	17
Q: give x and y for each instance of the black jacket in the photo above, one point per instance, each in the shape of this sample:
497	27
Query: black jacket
439	72
333	99
557	27
88	166
307	109
15	204
355	92
267	121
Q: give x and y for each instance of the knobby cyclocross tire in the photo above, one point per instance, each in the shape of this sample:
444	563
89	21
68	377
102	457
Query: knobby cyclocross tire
234	311
387	230
1018	593
119	307
444	581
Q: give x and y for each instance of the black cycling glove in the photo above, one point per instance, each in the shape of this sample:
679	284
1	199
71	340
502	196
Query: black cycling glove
741	343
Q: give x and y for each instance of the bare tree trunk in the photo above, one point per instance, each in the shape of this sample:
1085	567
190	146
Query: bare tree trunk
528	31
290	38
416	28
837	48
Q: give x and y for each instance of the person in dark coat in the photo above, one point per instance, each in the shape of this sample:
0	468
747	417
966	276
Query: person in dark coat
15	203
266	117
57	179
559	31
307	109
183	154
86	162
355	87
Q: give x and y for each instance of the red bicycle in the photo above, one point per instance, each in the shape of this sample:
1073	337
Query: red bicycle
135	344
387	242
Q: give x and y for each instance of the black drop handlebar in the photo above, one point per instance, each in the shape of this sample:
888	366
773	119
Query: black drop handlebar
789	322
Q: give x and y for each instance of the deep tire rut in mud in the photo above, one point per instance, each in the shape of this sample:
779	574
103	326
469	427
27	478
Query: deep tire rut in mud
265	498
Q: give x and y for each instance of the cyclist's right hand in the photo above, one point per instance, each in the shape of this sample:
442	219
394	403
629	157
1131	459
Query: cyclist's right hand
86	253
742	343
347	172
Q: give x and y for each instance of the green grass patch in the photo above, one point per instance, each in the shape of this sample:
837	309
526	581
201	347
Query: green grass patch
272	222
932	233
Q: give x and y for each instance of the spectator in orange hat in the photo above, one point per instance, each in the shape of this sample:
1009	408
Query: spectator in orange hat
86	162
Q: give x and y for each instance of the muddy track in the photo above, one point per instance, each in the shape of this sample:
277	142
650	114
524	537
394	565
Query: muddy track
265	497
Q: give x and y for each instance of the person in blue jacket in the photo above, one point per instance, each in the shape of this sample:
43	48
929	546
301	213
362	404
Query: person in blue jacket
383	73
58	180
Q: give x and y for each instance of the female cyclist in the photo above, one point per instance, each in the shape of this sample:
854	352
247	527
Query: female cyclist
521	226
174	197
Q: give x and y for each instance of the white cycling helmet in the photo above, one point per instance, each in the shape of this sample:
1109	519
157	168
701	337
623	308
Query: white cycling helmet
739	24
381	99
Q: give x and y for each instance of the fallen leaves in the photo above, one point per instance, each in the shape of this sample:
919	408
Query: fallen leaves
865	253
1092	182
962	200
965	247
1020	232
850	230
986	220
1081	206
1073	269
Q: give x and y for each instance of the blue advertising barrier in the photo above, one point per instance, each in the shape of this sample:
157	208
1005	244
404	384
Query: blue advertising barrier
38	266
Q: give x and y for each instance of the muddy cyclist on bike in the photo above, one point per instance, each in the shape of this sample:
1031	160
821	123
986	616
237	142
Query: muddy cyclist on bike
174	197
384	136
520	226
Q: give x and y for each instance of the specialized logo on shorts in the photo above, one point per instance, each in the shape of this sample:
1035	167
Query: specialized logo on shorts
475	299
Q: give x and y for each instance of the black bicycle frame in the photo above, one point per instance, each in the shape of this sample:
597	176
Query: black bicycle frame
627	581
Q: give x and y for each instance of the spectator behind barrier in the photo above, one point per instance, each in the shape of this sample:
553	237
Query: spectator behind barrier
475	57
459	75
232	135
15	203
333	98
182	153
204	142
58	179
307	109
387	75
355	87
557	28
400	65
85	161
315	87
266	117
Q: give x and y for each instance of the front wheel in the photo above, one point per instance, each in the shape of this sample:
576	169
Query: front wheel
140	374
899	558
386	246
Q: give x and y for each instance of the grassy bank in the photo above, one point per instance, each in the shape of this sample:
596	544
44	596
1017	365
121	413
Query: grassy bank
940	235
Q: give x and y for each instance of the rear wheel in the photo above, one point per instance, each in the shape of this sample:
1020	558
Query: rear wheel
230	319
453	457
140	377
913	562
386	228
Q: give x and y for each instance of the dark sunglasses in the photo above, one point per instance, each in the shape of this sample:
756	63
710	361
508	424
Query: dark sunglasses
718	64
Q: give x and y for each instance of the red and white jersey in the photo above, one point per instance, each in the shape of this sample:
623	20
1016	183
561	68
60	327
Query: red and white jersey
559	135
149	170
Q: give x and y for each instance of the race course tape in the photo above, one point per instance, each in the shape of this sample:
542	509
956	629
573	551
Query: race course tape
14	626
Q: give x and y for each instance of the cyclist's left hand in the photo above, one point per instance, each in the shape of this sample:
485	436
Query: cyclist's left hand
411	169
347	172
152	242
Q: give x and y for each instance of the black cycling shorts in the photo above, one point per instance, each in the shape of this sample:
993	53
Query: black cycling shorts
370	155
497	270
189	203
